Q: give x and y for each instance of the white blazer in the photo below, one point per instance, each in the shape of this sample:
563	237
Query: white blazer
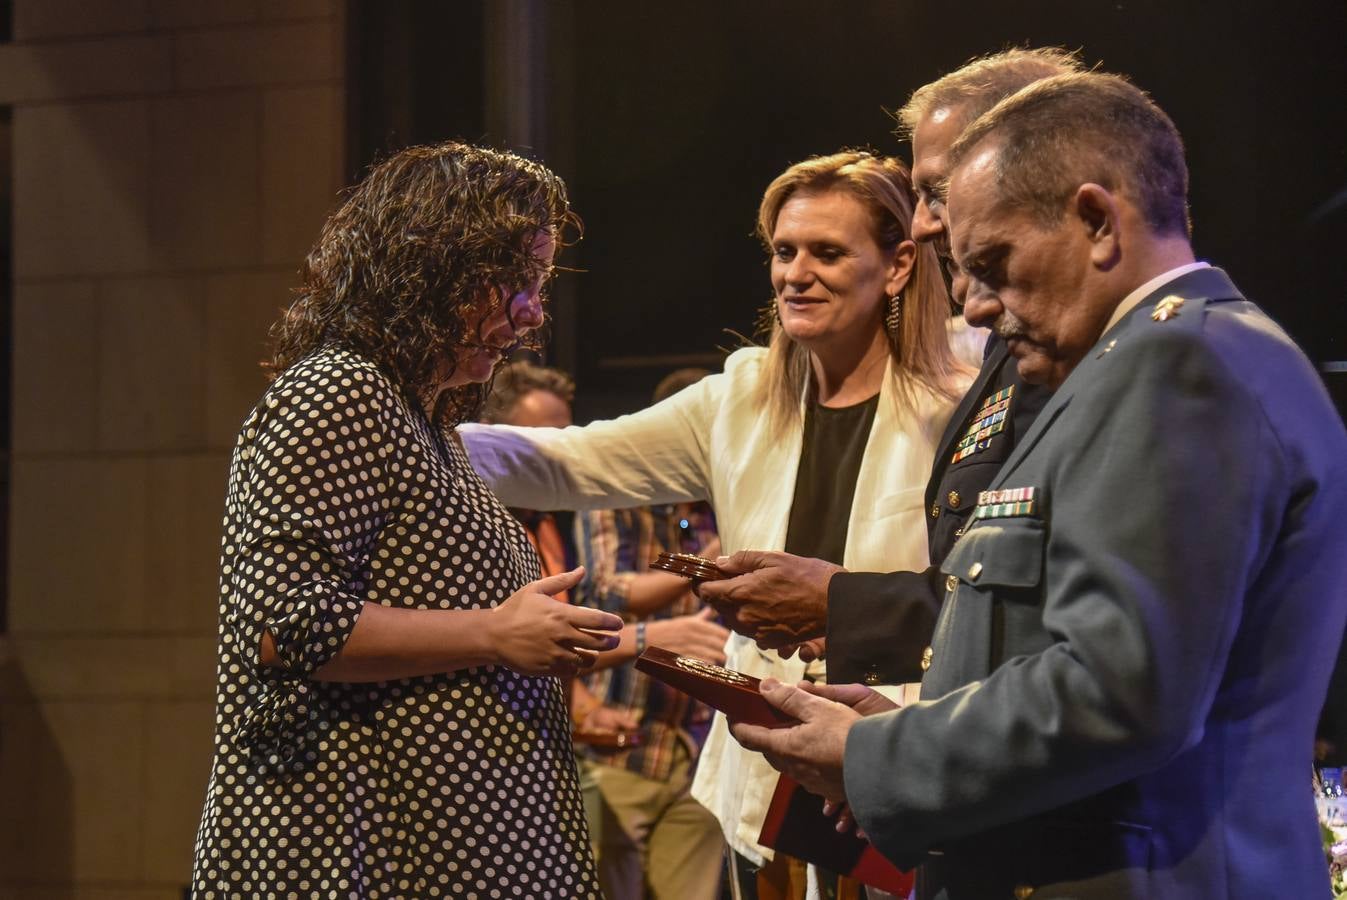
711	442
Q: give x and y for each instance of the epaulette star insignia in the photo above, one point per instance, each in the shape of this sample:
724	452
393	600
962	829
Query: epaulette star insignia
1167	308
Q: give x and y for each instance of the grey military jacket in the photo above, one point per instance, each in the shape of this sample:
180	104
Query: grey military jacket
1138	630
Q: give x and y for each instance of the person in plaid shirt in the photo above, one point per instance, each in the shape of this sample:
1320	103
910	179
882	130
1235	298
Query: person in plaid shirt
649	831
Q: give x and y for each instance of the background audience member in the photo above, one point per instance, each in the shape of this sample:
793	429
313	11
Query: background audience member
650	833
528	394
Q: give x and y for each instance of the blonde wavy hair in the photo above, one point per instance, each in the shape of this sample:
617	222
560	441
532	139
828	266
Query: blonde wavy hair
920	351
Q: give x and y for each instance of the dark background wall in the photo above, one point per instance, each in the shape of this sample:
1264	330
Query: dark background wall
669	120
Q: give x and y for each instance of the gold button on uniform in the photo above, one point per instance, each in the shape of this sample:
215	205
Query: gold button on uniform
926	656
951	583
954	499
1023	892
935	510
871	677
974	571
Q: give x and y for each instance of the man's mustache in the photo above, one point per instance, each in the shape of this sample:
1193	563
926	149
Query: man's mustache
1007	327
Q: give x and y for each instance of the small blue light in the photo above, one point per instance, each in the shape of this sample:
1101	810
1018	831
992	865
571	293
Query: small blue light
683	523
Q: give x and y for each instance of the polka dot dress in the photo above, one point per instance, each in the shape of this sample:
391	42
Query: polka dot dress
454	785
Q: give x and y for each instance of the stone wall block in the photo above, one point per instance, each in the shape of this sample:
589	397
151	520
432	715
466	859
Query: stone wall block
178	748
240	309
77	546
55	367
35	73
72	774
301	168
151	379
36	819
282	10
202	13
204	181
110	667
84	892
184	512
46	19
80	192
270	55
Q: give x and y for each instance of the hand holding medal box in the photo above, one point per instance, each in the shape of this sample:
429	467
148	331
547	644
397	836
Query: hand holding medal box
733	693
795	822
698	568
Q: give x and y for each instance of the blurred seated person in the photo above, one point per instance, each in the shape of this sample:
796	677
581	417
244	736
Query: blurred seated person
651	834
528	394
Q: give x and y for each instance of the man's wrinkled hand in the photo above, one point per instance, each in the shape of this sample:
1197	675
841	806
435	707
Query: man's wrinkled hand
809	650
864	700
775	598
811	752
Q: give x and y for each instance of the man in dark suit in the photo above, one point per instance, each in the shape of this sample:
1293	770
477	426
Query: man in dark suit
1142	616
879	625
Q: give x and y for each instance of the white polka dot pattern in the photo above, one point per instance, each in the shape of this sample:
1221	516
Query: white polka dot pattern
455	785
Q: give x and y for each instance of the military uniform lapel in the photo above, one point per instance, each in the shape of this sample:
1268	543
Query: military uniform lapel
1059	402
959	421
1197	286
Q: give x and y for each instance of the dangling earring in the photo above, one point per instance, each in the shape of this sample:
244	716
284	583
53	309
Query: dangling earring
893	316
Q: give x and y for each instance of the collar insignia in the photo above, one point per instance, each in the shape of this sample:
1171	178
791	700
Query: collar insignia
1167	308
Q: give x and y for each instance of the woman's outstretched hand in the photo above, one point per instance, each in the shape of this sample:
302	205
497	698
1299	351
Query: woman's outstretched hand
535	634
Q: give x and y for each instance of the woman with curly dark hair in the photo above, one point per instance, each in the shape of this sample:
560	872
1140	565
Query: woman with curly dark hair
389	720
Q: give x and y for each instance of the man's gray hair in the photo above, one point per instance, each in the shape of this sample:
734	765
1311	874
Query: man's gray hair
981	83
1079	128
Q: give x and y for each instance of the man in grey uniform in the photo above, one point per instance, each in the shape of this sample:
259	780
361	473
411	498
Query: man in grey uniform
1141	619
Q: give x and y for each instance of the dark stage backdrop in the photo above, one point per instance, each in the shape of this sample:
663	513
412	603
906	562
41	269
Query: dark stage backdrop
668	120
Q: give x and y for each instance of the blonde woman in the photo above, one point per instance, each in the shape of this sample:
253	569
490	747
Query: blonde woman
819	444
